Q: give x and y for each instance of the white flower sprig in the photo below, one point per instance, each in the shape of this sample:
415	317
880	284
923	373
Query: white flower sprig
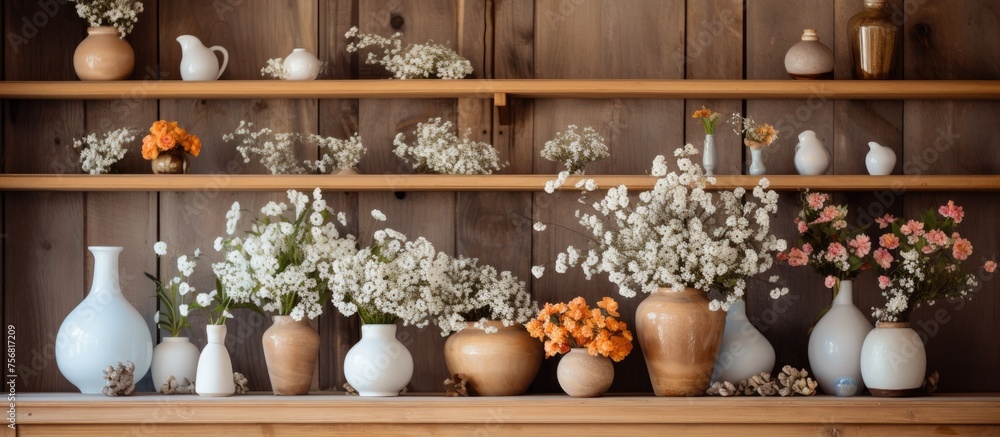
277	150
275	68
276	265
412	62
679	235
175	294
575	151
439	150
99	154
121	14
479	293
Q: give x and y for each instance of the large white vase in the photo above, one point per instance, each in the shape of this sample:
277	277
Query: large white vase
379	365
836	341
103	330
745	352
177	357
215	368
893	360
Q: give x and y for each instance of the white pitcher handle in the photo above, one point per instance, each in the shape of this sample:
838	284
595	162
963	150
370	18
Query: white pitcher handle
225	59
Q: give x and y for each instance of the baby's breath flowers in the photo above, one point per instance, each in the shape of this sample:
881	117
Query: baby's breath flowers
277	150
479	293
756	136
679	235
120	14
708	119
275	68
563	326
175	294
99	154
575	150
415	61
439	150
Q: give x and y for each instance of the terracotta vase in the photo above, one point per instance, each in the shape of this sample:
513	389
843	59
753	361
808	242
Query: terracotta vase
680	340
582	375
102	55
171	162
291	351
499	364
875	39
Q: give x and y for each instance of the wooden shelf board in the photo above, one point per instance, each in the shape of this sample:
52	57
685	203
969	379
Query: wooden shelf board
60	408
221	182
516	88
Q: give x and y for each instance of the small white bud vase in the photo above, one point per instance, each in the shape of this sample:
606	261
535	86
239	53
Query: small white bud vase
809	58
199	63
757	162
215	369
709	160
880	159
379	365
836	341
811	158
301	65
893	360
745	352
103	330
177	357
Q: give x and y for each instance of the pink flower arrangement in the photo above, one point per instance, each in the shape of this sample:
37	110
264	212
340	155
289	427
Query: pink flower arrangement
827	243
921	262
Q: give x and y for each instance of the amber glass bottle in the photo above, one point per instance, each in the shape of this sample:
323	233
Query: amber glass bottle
874	41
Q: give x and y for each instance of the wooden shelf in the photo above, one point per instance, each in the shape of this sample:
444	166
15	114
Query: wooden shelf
420	414
149	182
499	89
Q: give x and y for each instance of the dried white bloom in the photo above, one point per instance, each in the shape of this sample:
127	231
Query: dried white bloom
98	155
276	150
438	150
120	14
415	61
576	150
160	248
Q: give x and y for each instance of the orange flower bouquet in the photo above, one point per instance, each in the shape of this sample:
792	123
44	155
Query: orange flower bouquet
563	326
168	139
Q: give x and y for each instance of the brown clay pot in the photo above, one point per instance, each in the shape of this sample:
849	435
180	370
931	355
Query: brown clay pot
102	55
582	375
500	364
291	350
171	162
680	339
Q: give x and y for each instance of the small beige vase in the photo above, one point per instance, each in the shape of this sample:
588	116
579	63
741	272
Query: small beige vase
582	375
291	350
499	364
680	339
102	55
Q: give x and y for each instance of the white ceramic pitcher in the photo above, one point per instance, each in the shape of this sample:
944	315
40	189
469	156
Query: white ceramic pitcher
198	63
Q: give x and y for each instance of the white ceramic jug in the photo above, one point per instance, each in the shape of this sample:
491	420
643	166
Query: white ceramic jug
301	65
198	63
880	160
811	158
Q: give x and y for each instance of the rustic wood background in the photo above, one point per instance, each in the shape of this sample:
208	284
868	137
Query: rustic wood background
47	269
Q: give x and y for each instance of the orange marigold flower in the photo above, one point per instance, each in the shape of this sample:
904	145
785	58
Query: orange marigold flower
149	150
610	306
167	142
563	326
702	113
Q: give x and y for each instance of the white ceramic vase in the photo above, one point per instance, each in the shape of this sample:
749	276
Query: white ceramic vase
301	65
745	352
893	360
174	356
103	330
811	158
379	365
199	63
809	58
880	159
215	369
836	341
709	159
757	162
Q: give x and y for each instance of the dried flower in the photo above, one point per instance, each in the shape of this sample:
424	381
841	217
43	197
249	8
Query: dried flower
275	68
563	326
574	149
412	62
121	14
755	136
98	155
479	293
438	150
277	150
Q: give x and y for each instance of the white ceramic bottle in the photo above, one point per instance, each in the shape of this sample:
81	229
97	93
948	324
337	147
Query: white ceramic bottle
378	365
199	63
215	368
301	65
836	341
103	330
880	159
745	352
811	158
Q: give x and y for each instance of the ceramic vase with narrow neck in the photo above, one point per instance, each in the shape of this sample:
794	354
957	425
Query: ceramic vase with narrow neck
177	357
503	363
103	330
173	161
680	338
291	351
893	360
809	58
875	40
103	55
757	162
582	375
745	352
710	160
378	365
836	341
215	369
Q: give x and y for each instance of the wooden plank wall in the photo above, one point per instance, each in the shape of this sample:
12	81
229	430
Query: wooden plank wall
46	270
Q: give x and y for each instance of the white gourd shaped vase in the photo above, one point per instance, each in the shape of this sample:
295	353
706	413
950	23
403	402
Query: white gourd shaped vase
880	159
745	352
811	158
378	365
836	342
215	368
103	330
301	65
199	63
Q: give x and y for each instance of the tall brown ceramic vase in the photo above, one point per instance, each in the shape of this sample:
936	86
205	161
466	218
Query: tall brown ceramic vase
875	40
291	350
499	364
680	339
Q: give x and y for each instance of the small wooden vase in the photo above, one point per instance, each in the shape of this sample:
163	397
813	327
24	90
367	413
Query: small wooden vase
171	163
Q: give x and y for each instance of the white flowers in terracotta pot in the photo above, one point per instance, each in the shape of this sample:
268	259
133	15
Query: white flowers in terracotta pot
97	155
415	61
438	149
